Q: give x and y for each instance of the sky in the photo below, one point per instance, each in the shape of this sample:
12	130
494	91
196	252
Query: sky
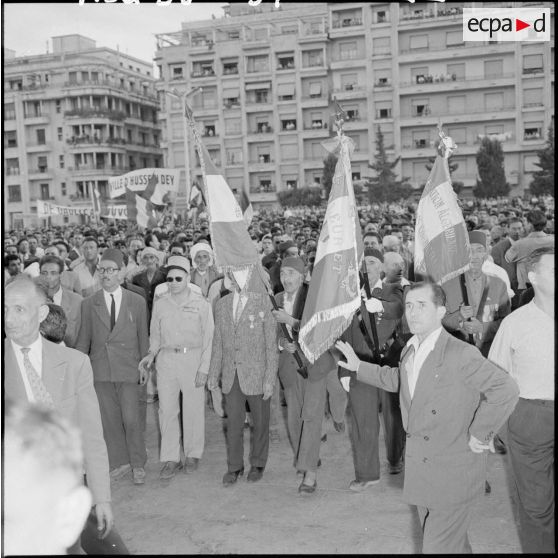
28	26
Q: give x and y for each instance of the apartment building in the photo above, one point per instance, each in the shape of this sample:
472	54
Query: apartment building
72	119
269	78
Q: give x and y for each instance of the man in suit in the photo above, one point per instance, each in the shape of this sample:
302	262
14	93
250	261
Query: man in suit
244	360
69	279
76	252
37	370
386	307
113	333
51	269
449	426
151	276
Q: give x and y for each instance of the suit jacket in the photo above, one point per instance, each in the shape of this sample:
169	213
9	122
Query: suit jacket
71	304
115	354
69	280
68	378
498	251
248	347
141	280
440	468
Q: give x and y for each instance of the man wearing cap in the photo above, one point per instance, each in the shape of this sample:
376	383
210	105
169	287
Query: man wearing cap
286	249
488	301
203	274
151	276
181	335
386	307
114	334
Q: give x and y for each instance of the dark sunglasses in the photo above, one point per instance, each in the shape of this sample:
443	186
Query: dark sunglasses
177	279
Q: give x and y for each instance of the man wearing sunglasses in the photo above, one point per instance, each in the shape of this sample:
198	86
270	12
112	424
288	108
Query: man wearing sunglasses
180	341
114	334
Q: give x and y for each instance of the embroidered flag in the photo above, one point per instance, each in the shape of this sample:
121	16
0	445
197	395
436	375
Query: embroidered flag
442	249
334	291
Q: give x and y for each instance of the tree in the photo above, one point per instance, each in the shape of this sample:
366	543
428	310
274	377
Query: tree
543	180
385	186
491	181
300	196
329	171
456	184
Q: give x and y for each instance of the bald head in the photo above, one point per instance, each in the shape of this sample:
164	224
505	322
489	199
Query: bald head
391	243
393	266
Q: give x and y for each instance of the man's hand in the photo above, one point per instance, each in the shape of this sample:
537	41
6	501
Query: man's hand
144	375
348	352
477	446
105	519
201	379
289	347
282	317
373	305
217	399
267	392
345	382
473	326
466	312
146	362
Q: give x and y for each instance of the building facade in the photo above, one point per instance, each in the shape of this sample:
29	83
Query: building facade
269	78
72	119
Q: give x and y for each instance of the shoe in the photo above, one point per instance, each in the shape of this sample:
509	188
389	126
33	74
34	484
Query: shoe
499	445
339	426
169	469
255	474
359	486
138	474
191	464
120	472
274	437
395	469
232	476
307	488
487	487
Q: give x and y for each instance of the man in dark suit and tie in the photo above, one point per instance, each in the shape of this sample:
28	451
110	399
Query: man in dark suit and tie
114	334
449	426
39	371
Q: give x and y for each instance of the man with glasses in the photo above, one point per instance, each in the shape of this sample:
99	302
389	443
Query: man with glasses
114	334
180	341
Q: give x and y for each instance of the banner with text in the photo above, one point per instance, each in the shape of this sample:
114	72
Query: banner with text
46	209
137	180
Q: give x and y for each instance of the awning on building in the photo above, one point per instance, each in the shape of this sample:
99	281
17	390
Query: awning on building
315	89
231	93
285	89
261	85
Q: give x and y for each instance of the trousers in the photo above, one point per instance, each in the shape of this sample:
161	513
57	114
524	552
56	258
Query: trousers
531	451
337	396
122	430
235	408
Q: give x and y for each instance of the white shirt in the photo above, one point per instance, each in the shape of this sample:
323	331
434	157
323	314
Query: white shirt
288	306
117	300
524	347
57	297
36	358
237	308
422	350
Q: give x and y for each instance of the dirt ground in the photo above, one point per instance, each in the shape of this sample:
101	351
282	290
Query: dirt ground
196	514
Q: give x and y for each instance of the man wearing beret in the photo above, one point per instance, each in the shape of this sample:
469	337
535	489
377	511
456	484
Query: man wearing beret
286	249
488	301
114	334
386	307
306	398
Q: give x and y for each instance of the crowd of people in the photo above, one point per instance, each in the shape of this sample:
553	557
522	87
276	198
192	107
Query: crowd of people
102	320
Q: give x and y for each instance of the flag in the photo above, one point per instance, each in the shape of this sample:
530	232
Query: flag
442	249
233	247
334	292
140	210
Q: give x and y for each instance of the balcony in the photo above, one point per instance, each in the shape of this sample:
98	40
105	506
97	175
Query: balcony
383	84
151	95
97	113
261	164
262	188
38	147
262	70
31	119
230	71
206	72
12	171
349	91
315	101
428	116
39	173
347	22
442	12
313	32
290	65
471	81
231	104
462	51
531	71
110	170
503	137
532	134
87	140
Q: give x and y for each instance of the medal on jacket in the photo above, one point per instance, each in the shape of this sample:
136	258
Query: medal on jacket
251	318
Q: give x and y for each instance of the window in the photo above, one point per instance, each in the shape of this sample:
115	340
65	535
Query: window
209	130
532	130
14	193
262	125
316	150
285	62
233	35
230	67
493	68
419	75
265	185
383	78
176	72
457	70
383	109
312	58
63	188
315	89
289	29
45	191
9	111
454	38
494	129
421	139
59	134
12	167
285	91
456	104
532	63
349	81
10	139
420	107
355	176
348	50
177	129
459	135
61	161
234	156
418	42
16	84
530	163
263	155
381	45
233	126
380	16
291	184
288	124
533	97
493	101
42	164
289	151
257	64
209	98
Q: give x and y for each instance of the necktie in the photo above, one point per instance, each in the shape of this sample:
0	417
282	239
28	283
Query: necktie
38	388
238	309
112	312
412	374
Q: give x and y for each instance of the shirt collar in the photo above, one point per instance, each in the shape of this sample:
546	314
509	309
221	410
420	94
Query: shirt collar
117	292
37	345
378	284
428	343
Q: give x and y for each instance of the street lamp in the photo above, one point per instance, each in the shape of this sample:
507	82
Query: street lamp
183	96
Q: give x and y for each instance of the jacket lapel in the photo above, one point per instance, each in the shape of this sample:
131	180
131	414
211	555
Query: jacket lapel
101	308
54	370
14	388
122	314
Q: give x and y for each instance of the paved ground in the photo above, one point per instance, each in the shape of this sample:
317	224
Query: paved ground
196	514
